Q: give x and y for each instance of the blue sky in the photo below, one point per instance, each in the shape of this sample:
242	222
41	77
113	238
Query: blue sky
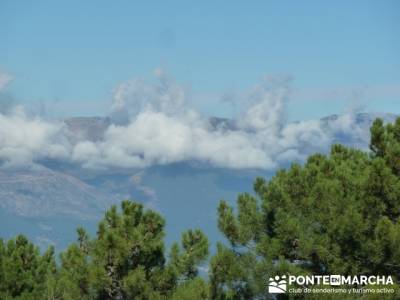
73	53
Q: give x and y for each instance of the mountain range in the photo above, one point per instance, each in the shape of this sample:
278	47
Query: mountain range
48	200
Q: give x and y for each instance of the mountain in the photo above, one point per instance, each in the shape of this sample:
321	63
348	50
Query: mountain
47	202
358	135
48	205
88	128
39	191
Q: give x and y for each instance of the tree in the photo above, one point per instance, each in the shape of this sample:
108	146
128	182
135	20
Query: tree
24	273
337	214
196	289
126	260
194	251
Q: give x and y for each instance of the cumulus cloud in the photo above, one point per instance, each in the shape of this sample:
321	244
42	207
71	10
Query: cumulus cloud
154	125
135	96
154	138
25	139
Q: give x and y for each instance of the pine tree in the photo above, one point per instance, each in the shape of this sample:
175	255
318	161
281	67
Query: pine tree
127	259
336	214
24	273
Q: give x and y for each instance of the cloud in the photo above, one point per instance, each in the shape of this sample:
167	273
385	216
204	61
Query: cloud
24	139
135	96
154	138
153	124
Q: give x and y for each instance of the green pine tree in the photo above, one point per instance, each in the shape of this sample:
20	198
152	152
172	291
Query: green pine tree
336	214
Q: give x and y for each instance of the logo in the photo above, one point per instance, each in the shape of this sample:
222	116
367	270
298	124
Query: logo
335	283
277	285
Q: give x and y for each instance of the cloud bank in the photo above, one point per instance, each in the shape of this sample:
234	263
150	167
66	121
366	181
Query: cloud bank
153	124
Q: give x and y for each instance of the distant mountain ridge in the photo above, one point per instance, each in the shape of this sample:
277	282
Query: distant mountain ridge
49	191
93	128
88	128
28	192
363	117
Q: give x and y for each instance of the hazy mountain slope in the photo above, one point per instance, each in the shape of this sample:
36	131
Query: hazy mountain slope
39	191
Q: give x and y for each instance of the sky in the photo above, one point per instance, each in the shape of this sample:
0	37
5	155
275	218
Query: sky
69	57
160	69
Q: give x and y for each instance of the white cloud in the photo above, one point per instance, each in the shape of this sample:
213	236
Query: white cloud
154	138
24	139
135	96
156	126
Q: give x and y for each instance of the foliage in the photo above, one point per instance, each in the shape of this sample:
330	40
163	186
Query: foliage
24	272
336	214
125	261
